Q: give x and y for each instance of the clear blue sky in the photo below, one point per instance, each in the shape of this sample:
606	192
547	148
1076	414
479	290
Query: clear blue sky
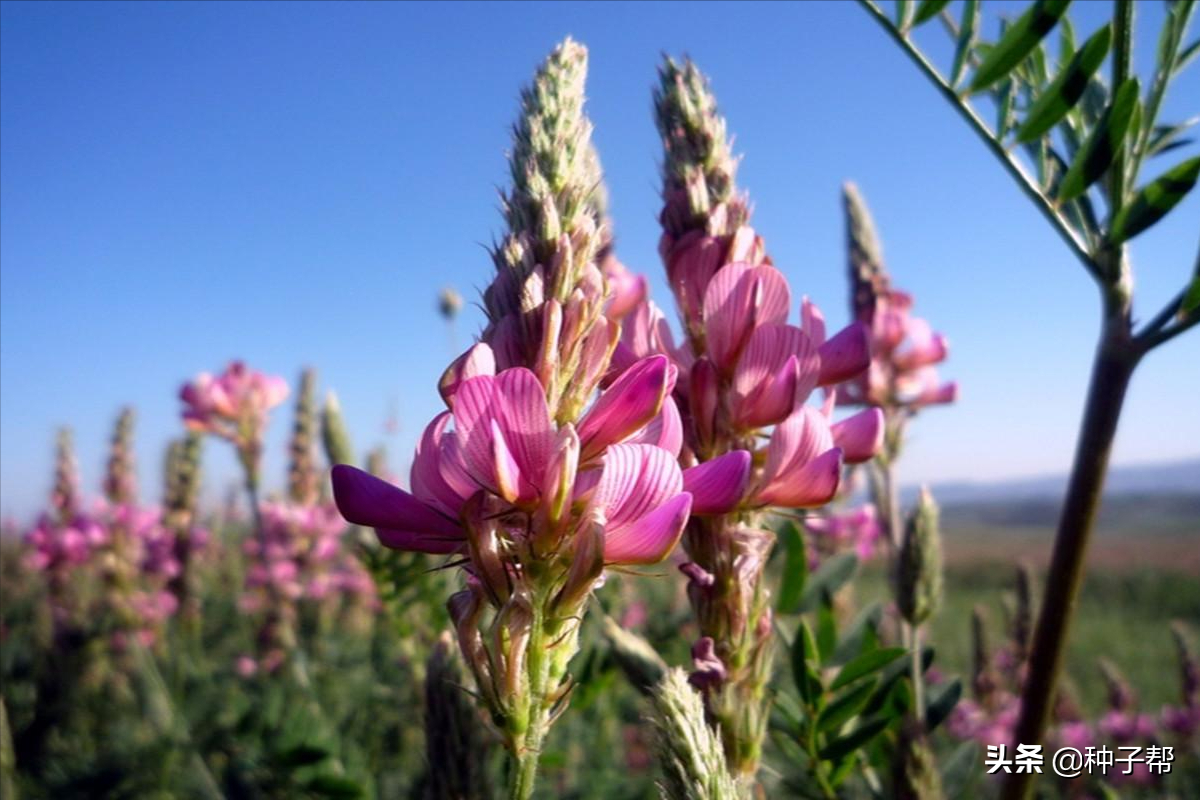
293	184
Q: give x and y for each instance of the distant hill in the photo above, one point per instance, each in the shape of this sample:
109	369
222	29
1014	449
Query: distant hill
1167	478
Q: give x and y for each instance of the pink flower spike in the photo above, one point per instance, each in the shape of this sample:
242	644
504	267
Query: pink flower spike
811	486
400	519
632	401
860	436
717	486
846	355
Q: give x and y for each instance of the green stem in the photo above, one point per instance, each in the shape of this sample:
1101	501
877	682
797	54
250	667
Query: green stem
527	745
1024	181
1112	369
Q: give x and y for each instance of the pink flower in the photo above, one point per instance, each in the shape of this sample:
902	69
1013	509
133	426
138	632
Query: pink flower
859	528
904	352
499	441
233	405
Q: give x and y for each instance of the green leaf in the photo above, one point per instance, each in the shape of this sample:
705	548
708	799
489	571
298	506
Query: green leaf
1165	137
1191	298
1004	106
1154	200
1187	56
960	770
826	630
928	10
866	664
1066	45
966	38
854	740
845	706
329	785
1053	102
302	755
1018	41
1101	147
942	703
829	577
860	636
804	652
795	569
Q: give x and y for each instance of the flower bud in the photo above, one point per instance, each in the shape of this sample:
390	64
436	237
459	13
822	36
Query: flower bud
919	565
587	563
689	750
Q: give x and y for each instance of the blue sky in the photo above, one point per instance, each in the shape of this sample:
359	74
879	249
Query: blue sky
293	184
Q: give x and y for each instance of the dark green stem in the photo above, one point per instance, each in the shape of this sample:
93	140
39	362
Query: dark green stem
1112	369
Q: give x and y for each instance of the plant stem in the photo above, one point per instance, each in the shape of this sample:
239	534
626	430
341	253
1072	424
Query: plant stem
527	746
1112	369
1027	184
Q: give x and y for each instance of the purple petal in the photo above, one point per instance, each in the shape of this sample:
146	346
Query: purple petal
418	542
846	355
652	537
628	405
860	436
364	499
811	486
717	486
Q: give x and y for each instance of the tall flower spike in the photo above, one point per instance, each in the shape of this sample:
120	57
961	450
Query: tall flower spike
868	275
120	479
744	376
454	741
530	479
334	436
303	484
689	751
64	497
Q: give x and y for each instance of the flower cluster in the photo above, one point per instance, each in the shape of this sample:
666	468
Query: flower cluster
904	348
745	375
858	529
532	480
234	406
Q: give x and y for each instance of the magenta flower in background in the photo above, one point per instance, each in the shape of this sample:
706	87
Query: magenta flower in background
858	529
235	406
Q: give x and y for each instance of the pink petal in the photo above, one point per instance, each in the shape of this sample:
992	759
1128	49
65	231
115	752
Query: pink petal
364	499
650	538
761	380
665	430
510	483
429	485
796	441
629	404
525	420
740	298
635	479
860	436
717	486
812	322
846	355
811	486
478	360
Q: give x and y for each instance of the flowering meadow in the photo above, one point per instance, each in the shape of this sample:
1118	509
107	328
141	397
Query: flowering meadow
654	543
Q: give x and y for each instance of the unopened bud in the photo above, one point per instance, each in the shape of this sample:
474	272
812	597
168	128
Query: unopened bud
689	750
919	566
336	440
